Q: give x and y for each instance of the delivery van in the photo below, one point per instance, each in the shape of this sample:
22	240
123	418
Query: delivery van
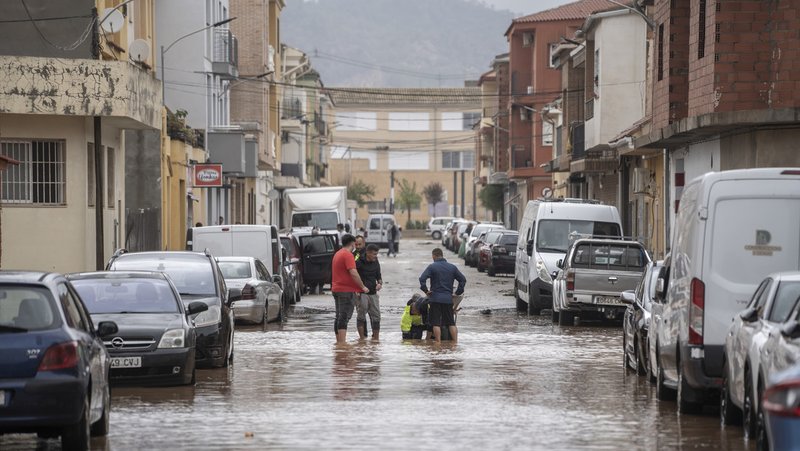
260	241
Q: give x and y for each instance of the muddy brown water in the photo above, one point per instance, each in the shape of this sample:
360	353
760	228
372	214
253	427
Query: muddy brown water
512	382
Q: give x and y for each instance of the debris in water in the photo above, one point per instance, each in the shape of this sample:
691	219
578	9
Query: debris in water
486	311
248	434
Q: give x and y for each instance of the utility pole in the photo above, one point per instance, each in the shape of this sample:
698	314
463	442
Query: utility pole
455	194
474	197
463	205
391	192
98	194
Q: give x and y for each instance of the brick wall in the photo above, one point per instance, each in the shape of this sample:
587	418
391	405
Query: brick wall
670	91
501	133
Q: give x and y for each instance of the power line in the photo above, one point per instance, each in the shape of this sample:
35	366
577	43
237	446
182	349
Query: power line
44	19
81	39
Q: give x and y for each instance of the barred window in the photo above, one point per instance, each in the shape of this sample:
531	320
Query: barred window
40	178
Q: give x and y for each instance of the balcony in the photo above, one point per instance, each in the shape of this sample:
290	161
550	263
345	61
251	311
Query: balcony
601	159
225	57
228	147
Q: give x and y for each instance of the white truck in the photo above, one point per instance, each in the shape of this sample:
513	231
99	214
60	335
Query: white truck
322	207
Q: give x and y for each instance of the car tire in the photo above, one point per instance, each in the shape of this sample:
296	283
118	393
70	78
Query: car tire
264	318
729	413
625	366
684	405
481	268
522	306
762	441
555	316
491	271
748	409
566	318
638	365
100	427
436	235
194	377
663	393
296	297
76	436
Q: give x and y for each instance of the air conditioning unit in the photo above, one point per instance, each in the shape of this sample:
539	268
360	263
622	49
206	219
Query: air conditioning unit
530	90
641	180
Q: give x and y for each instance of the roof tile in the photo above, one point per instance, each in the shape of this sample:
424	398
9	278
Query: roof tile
571	11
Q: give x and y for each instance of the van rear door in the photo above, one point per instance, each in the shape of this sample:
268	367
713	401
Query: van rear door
752	230
252	243
213	239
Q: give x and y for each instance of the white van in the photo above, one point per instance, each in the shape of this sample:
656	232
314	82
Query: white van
378	227
544	237
733	228
260	241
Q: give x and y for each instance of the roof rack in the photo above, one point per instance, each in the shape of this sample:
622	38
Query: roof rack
574	236
570	200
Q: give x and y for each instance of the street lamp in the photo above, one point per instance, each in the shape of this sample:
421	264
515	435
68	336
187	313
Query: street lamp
165	50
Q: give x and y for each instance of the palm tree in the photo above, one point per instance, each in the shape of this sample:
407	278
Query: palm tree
408	198
434	193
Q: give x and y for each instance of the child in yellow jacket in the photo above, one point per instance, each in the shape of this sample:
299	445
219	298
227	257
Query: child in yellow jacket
411	323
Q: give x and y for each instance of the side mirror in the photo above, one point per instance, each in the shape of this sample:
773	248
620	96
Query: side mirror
560	263
628	297
276	278
659	295
234	294
529	248
106	328
749	315
791	330
554	275
197	306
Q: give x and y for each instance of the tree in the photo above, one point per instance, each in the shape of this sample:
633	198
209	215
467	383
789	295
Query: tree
360	192
492	198
408	198
434	193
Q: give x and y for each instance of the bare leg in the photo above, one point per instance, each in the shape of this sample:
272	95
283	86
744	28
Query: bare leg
437	334
362	329
341	336
375	333
453	333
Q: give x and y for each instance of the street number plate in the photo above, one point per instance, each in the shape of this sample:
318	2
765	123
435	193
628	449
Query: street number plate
126	362
607	300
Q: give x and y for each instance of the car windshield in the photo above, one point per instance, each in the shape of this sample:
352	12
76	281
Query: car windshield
325	220
235	269
509	238
192	274
110	295
492	237
786	298
25	307
554	234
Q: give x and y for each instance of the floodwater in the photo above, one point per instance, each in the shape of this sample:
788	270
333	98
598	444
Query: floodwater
511	382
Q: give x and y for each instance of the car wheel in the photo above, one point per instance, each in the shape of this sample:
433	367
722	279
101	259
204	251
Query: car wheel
566	318
491	271
522	306
280	314
663	393
639	366
194	377
229	357
481	268
762	442
625	366
748	409
555	316
728	412
651	372
436	235
76	437
684	405
100	428
297	297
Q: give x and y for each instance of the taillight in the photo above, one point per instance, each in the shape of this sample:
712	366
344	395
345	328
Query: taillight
60	357
499	250
248	293
791	172
698	294
783	399
570	280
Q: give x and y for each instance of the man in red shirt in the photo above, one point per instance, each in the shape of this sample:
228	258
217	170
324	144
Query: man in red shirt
346	286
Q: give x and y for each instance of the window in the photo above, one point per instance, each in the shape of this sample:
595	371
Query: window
596	69
376	205
90	185
458	160
356	121
110	178
409	122
470	119
40	178
551	62
701	30
547	133
660	67
527	39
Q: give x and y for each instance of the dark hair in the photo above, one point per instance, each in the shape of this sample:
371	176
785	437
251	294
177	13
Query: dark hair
340	226
360	236
347	239
437	252
410	301
373	248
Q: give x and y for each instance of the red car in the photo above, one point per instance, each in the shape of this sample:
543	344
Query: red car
498	254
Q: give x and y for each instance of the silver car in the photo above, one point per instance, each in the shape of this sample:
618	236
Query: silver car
255	297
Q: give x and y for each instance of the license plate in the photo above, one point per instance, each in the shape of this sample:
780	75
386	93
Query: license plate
607	300
2	398
512	254
126	362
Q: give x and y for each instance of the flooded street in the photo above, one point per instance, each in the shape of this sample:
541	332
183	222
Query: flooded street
510	382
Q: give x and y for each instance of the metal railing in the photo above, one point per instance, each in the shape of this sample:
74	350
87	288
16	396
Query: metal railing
226	47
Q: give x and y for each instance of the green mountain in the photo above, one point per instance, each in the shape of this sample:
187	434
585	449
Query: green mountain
396	43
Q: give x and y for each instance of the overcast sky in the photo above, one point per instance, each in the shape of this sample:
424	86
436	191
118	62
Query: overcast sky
523	7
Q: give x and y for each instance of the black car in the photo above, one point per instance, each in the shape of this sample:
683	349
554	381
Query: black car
197	278
292	268
318	249
501	254
155	343
53	365
636	321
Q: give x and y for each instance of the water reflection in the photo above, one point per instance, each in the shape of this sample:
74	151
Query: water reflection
356	371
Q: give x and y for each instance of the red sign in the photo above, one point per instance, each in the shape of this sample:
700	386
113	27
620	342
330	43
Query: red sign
207	176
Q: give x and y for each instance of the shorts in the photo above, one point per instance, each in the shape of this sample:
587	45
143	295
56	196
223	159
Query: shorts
369	304
441	315
345	304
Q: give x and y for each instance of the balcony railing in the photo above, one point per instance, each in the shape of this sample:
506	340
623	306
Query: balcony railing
520	157
225	55
589	109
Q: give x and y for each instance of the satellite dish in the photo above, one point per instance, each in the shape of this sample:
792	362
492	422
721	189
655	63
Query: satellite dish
112	20
139	50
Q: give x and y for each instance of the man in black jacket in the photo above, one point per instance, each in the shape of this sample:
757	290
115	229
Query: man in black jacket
370	271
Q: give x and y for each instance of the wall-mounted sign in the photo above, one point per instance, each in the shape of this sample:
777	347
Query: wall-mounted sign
207	176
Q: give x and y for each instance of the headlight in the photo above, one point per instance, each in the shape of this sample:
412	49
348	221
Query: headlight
173	338
542	270
209	317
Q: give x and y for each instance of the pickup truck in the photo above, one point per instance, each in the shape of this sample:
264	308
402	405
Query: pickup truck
592	277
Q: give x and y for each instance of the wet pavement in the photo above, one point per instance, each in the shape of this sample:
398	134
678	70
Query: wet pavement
512	382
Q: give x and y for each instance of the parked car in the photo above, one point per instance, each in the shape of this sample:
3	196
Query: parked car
544	236
197	278
317	249
458	235
499	256
656	314
744	372
436	226
636	320
254	297
378	225
782	409
53	364
470	254
733	228
593	276
292	267
483	250
449	231
156	341
473	248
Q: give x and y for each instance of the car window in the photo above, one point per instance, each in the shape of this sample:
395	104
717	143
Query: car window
27	307
75	319
509	239
608	256
263	274
762	297
375	223
192	274
126	295
235	269
557	235
786	297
